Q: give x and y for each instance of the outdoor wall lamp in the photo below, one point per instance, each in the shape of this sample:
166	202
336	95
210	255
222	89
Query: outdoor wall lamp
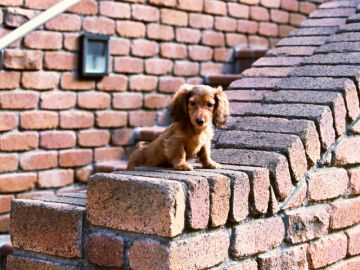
94	55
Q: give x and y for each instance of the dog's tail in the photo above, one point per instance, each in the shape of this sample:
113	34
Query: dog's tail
137	157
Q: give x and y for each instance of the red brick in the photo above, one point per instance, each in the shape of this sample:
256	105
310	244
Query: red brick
348	151
23	59
353	235
19	100
39	120
157	66
85	7
160	32
259	14
64	22
256	236
238	10
174	17
212	38
38	160
145	13
151	193
57	100
40	80
307	223
271	3
76	119
141	119
93	100
75	157
9	80
57	139
287	258
19	262
8	163
291	5
143	83
99	25
55	178
17	182
144	48
14	17
188	35
127	101
156	101
307	8
38	4
354	175
173	51
19	141
123	136
296	19
71	42
255	41
43	40
128	65
327	250
115	10
11	3
233	40
170	84
225	24
196	252
201	21
215	7
245	26
186	68
111	119
113	83
56	221
83	173
4	223
5	203
279	16
59	61
70	81
211	68
92	138
285	30
8	121
119	46
190	5
105	249
345	213
109	153
223	55
268	29
130	29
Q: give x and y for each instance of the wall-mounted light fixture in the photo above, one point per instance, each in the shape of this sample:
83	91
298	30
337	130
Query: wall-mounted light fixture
95	55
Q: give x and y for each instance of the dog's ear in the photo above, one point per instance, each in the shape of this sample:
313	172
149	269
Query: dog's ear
221	112
178	106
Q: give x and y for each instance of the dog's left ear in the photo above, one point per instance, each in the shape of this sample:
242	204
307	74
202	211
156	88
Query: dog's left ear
221	112
178	106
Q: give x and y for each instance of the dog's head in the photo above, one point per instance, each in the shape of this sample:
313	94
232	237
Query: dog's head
200	105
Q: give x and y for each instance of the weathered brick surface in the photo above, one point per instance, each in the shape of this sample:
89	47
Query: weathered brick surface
347	151
353	235
345	213
18	262
160	194
55	178
60	225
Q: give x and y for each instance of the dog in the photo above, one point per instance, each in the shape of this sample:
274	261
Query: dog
195	110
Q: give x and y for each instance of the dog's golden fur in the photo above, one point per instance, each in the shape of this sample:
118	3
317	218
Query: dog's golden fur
195	109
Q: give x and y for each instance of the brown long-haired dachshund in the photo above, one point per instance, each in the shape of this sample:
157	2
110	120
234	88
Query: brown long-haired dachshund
195	109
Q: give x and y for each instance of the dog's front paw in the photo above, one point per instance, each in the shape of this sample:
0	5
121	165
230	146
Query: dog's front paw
184	167
211	165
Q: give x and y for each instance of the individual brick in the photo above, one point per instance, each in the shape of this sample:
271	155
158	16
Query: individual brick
59	61
201	21
170	84
346	152
40	80
8	163
10	183
174	17
223	55
257	236
327	250
238	10
144	48
156	101
245	26
279	16
141	118
109	153
9	80
173	51
289	258
105	249
160	32
43	40
39	120
75	158
127	101
259	13
225	24
23	59
82	174
4	223
307	223
71	42
345	213
76	120
55	178
110	119
64	22
200	53
70	81
99	25
268	29
186	35
128	65
160	194
18	262
212	38
158	66
143	83
353	235
11	3
199	251
349	264
38	160
327	183
290	5
56	100
85	7
19	141
56	221
119	46
115	10
94	100
215	7
93	138
145	13
190	5
19	100
116	83
130	29
186	68
8	121
123	137
57	139
354	178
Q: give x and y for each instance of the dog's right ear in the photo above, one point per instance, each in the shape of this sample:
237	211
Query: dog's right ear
178	106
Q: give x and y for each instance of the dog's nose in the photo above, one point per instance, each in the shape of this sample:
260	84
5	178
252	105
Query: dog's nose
199	121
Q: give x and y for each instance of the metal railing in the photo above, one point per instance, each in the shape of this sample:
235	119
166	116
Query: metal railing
35	22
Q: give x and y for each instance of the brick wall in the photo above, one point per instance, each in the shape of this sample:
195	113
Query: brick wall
54	126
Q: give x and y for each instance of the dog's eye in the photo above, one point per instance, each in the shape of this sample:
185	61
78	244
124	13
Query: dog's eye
210	105
192	103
